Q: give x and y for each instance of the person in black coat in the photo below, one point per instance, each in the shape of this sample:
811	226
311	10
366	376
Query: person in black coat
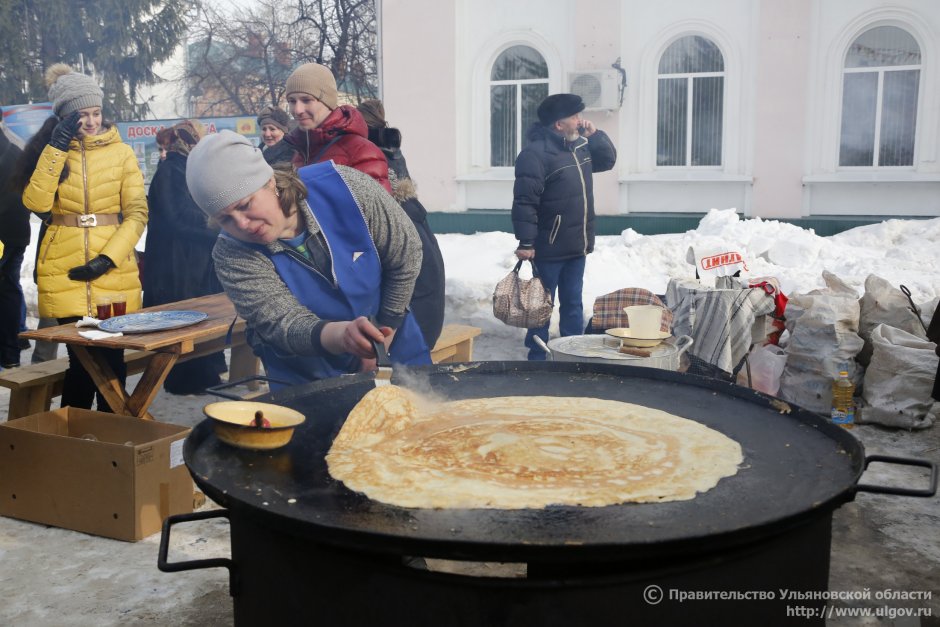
553	204
178	253
14	234
274	124
427	303
933	334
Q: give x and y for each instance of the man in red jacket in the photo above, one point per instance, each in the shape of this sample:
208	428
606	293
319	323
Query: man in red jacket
327	131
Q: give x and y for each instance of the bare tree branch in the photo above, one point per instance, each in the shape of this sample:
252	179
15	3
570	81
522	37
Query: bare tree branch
240	61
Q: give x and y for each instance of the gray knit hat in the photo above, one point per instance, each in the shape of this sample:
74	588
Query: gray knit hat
314	79
276	116
70	91
224	168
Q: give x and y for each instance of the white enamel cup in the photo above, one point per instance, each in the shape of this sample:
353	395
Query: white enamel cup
645	320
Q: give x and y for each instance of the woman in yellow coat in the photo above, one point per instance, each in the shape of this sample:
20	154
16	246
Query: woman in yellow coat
78	168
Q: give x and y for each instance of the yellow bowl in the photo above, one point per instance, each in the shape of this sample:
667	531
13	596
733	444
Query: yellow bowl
233	422
628	338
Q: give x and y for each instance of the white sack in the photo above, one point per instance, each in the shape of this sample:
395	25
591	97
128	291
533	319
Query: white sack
824	339
883	303
899	380
714	258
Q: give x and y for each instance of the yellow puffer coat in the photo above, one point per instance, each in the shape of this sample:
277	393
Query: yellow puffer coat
103	178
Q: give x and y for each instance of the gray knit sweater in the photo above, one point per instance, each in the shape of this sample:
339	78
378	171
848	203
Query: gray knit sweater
275	317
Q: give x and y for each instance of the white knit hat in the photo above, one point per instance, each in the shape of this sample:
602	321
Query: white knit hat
224	168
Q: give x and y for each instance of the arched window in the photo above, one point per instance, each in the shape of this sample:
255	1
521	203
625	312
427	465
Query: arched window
880	83
691	84
518	83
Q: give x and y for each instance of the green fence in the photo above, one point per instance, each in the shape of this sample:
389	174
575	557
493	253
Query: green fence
477	220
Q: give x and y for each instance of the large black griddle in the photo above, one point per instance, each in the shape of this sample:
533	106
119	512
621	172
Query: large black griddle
796	468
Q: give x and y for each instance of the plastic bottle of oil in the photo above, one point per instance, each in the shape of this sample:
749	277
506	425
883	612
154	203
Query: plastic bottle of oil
843	407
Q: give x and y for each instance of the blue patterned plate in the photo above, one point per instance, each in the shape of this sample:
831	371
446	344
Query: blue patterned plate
148	322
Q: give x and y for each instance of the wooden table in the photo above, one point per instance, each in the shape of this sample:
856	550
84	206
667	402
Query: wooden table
168	347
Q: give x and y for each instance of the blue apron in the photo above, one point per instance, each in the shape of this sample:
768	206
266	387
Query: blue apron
358	275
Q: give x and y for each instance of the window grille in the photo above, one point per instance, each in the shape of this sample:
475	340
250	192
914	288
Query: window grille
518	83
880	85
690	104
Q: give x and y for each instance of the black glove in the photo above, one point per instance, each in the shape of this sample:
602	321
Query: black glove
91	270
65	130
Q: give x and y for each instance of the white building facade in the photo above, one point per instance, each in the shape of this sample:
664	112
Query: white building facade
779	108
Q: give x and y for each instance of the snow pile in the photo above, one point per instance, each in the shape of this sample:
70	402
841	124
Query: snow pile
900	251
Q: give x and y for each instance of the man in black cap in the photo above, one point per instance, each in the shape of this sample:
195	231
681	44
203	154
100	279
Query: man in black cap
553	204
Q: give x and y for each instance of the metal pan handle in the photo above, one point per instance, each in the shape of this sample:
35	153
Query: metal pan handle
904	461
543	346
381	355
215	562
216	390
683	343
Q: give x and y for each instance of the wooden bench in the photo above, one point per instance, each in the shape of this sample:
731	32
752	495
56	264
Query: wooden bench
455	344
33	387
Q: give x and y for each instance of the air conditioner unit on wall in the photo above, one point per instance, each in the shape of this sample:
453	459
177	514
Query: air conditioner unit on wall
600	89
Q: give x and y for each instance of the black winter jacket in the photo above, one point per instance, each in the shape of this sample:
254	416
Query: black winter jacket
281	152
553	196
14	216
427	301
178	255
178	263
933	334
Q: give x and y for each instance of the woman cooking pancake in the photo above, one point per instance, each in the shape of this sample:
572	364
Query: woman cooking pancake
307	257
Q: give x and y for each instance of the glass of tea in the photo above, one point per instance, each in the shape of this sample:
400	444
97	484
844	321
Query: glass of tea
119	304
103	304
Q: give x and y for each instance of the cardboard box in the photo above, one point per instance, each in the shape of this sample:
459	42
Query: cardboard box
120	485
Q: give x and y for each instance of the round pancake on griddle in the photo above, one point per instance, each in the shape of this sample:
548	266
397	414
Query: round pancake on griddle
519	452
